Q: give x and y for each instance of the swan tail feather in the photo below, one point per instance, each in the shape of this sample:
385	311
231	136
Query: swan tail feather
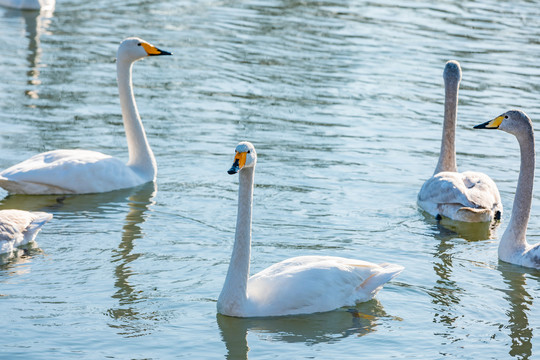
459	212
375	282
40	218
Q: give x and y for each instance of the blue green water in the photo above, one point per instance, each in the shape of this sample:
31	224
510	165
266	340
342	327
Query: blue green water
344	103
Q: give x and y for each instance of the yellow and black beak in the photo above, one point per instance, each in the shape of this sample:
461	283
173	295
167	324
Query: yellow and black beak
491	124
151	50
239	162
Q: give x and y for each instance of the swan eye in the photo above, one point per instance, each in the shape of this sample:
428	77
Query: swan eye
506	116
249	151
139	44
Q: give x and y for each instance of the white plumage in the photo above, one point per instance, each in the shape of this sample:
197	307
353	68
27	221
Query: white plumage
18	228
46	5
300	285
513	247
82	171
469	196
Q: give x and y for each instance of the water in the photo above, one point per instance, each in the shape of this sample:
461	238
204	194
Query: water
344	103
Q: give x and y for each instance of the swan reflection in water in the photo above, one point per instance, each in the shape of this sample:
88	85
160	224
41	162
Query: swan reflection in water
310	329
139	200
447	228
446	293
36	23
520	303
128	318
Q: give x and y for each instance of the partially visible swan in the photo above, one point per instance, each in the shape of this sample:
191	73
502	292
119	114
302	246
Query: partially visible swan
513	247
469	196
300	285
29	4
18	228
83	171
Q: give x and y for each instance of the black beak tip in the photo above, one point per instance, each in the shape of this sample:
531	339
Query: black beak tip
480	126
161	52
232	171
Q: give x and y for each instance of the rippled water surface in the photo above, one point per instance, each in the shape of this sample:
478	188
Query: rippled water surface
344	103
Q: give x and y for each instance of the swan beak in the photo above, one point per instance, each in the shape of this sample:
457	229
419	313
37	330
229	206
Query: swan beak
239	162
491	124
151	50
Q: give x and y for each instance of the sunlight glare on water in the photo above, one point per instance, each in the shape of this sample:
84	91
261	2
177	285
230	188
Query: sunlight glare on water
344	103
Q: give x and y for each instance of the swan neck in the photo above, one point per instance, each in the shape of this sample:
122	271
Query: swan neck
514	238
234	292
447	157
141	158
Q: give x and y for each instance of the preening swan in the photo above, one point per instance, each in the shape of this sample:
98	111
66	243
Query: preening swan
83	171
469	196
513	247
18	228
300	285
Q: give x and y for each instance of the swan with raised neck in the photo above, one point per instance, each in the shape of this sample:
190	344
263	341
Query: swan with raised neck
469	196
513	247
299	285
80	171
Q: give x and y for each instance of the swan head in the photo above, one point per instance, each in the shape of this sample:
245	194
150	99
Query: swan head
133	49
245	157
452	72
515	122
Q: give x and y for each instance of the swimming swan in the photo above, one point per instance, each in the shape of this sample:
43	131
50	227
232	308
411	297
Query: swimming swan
83	171
513	247
18	228
300	285
469	196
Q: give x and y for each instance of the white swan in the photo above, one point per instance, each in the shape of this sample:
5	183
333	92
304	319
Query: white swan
47	5
513	247
469	196
300	285
18	228
82	171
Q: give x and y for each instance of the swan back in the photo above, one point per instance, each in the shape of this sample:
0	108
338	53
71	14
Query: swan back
45	5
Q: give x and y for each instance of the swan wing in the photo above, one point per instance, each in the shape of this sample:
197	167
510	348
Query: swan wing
531	258
445	188
309	284
469	189
481	190
68	171
19	227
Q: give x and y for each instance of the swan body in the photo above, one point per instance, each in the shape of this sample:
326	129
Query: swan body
29	4
513	247
18	228
300	285
81	171
469	196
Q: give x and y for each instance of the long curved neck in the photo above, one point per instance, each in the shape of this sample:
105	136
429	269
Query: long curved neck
514	238
235	288
447	157
141	158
